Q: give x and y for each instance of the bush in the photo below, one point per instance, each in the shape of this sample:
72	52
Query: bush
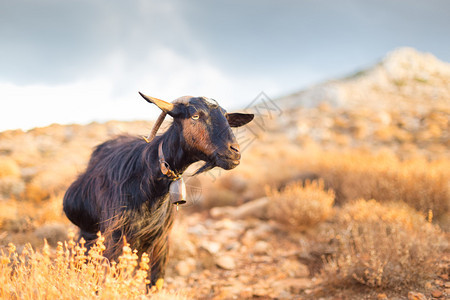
301	206
388	246
418	182
9	168
74	273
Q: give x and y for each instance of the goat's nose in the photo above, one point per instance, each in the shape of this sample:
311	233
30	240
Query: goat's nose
235	148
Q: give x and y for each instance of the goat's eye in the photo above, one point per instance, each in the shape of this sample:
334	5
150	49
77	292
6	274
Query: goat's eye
195	117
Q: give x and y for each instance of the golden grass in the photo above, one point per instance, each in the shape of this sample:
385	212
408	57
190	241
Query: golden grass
72	273
421	183
9	168
301	206
383	245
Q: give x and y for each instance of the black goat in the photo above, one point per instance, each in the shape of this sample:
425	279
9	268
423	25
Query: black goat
124	191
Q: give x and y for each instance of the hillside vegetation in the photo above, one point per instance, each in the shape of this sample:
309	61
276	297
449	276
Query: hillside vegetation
343	192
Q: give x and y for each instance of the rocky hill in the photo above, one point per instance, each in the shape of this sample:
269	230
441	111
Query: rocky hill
404	79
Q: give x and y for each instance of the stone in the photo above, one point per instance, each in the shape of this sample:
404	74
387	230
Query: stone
253	209
261	247
221	211
416	296
428	285
292	285
246	293
211	247
294	268
185	267
437	294
382	296
256	209
226	262
197	229
444	276
206	258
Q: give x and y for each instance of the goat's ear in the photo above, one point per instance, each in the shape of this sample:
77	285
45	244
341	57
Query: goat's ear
163	105
238	119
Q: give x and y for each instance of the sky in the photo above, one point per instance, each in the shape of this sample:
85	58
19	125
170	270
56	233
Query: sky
78	61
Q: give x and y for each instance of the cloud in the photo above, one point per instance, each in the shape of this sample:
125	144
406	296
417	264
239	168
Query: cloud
112	94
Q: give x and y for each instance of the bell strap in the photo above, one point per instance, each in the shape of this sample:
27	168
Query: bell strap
164	166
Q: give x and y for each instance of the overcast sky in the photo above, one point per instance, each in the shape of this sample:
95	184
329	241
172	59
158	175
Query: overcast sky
84	60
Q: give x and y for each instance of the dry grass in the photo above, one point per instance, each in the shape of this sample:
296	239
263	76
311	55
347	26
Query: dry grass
72	273
301	206
386	246
420	183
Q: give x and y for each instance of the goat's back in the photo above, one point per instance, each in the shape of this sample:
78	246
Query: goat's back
111	177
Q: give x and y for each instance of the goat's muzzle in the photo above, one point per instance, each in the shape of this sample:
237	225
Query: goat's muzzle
230	158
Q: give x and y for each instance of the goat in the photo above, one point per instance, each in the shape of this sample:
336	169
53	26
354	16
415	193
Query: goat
124	191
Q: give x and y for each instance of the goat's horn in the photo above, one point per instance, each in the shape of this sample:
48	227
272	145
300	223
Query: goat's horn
155	128
165	106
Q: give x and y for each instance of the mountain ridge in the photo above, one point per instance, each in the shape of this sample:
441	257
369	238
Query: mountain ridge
405	77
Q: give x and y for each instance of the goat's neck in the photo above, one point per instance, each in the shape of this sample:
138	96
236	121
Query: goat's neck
174	152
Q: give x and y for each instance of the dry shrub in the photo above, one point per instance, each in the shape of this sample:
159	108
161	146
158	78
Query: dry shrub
418	182
301	206
73	273
8	212
53	178
11	183
387	246
11	188
9	168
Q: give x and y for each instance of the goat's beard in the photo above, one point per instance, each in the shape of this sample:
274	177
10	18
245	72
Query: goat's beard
206	167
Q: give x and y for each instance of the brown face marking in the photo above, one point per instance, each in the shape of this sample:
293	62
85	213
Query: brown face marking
197	136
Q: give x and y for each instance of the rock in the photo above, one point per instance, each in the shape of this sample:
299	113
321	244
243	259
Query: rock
262	232
246	293
211	247
437	294
249	238
197	229
444	276
225	262
294	268
416	296
235	183
439	282
292	285
185	267
253	209
206	258
256	209
261	247
382	296
221	211
228	224
183	248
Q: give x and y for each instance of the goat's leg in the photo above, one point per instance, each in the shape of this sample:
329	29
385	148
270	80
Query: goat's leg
159	260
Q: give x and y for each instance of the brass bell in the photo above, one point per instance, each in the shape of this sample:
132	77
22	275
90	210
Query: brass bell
177	191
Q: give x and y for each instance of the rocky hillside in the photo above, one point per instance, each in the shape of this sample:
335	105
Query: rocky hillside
404	79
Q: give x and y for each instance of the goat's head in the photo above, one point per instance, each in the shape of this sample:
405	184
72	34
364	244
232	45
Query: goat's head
206	129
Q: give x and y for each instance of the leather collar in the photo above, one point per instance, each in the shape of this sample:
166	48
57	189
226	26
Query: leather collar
164	166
